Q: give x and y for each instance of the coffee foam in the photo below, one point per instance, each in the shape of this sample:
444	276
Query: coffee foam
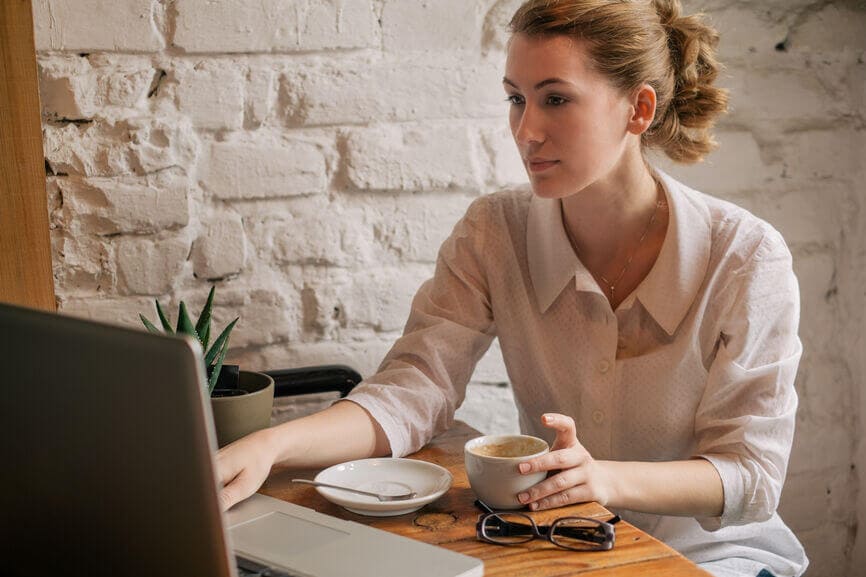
508	449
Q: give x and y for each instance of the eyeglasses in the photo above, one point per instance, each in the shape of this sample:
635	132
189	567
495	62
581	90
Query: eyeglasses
573	533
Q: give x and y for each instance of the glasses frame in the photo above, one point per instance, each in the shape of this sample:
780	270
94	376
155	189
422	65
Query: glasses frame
604	540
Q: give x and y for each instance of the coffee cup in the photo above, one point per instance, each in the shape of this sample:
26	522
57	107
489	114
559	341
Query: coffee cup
491	465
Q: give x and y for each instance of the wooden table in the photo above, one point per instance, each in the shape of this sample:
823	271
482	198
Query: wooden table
450	522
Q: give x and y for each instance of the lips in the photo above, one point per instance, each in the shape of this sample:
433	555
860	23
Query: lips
540	164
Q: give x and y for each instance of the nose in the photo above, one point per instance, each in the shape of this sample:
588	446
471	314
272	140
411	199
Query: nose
527	127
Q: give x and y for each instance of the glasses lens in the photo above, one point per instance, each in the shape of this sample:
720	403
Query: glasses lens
580	534
507	528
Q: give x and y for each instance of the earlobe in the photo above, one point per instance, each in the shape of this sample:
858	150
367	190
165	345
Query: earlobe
643	109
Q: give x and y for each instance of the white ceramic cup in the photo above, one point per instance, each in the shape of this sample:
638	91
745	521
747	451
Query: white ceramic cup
491	465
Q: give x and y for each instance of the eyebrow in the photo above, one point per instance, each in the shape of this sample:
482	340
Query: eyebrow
541	84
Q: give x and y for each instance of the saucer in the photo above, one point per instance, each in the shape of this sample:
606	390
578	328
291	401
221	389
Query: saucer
386	476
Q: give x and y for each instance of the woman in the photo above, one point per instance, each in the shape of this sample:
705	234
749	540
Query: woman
658	323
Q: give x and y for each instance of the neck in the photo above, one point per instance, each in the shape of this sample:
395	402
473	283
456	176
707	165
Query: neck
603	218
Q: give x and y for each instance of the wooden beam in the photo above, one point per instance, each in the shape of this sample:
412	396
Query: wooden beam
25	248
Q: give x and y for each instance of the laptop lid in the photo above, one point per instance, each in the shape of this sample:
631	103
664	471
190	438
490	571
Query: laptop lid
104	471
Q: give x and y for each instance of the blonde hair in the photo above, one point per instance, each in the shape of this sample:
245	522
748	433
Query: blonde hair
633	42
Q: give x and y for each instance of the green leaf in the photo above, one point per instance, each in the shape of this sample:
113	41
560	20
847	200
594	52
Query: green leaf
215	374
184	324
149	325
205	337
203	321
163	319
218	344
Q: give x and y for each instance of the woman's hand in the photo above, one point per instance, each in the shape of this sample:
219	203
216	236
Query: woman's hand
243	466
579	478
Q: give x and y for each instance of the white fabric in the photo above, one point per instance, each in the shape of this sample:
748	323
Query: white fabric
699	361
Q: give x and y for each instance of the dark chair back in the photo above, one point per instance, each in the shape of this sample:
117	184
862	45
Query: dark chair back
316	379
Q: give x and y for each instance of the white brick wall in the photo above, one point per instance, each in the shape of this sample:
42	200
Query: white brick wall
310	157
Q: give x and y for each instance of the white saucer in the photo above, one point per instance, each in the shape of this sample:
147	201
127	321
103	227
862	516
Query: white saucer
384	476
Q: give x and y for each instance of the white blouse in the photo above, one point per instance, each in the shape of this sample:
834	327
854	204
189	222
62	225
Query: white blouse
699	361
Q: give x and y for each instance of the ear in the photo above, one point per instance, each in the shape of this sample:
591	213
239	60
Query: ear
643	109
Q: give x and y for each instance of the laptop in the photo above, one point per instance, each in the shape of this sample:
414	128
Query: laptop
107	454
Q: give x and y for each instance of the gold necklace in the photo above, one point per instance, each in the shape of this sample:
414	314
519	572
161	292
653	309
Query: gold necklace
612	285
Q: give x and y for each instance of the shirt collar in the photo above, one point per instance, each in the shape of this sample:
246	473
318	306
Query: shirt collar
671	286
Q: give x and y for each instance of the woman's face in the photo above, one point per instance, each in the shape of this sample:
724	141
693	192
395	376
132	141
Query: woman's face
569	122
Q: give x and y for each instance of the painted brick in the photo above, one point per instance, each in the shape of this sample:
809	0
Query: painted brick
263	169
816	273
784	97
212	95
489	409
502	158
260	96
66	86
408	158
495	29
829	554
818	446
412	228
806	216
378	298
129	204
83	263
220	250
267	315
150	266
825	155
360	90
431	25
821	385
335	235
847	24
363	356
233	26
89	149
161	143
137	146
122	25
122	81
122	311
752	39
739	157
808	498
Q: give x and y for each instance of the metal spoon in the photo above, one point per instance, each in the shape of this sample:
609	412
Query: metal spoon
381	497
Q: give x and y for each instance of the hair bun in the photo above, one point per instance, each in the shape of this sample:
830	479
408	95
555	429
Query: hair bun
696	102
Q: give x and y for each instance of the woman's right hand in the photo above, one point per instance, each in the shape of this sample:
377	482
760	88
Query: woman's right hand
343	432
244	465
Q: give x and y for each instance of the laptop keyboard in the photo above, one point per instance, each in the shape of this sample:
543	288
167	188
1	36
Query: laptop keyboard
249	568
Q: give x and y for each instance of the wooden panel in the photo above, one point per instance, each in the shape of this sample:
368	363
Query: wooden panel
25	250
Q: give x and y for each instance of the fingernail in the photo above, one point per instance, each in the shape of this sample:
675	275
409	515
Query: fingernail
547	419
524	467
533	506
523	497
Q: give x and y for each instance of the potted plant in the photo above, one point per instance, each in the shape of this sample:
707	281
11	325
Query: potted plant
241	401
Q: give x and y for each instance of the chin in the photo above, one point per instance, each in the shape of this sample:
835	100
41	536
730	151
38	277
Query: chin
547	189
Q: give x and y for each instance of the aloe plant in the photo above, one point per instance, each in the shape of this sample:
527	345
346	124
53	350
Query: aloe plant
214	357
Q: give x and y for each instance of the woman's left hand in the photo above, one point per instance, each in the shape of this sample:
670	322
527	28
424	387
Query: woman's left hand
579	478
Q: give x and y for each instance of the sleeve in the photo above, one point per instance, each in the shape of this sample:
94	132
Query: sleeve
745	422
422	380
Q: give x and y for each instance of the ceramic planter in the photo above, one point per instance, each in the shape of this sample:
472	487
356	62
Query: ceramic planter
240	414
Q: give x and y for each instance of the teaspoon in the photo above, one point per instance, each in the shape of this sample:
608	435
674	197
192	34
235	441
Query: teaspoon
381	497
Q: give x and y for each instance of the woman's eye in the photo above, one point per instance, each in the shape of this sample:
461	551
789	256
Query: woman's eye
556	100
515	99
